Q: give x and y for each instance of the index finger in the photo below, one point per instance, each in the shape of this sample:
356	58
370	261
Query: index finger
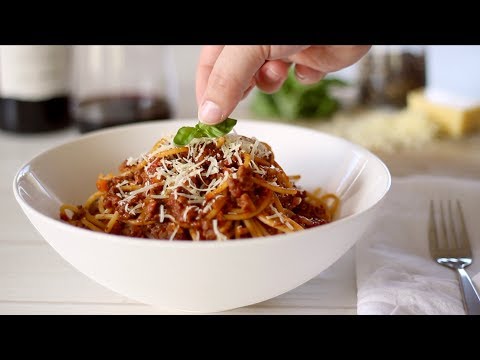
208	57
230	77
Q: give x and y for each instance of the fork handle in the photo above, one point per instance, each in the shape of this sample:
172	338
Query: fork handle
471	299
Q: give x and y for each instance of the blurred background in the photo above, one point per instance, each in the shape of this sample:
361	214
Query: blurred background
396	97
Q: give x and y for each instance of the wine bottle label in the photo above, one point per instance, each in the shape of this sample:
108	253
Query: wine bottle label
34	73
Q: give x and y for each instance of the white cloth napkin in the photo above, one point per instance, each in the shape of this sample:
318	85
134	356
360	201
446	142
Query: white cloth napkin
395	273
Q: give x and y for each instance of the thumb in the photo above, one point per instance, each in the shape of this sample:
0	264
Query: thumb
230	77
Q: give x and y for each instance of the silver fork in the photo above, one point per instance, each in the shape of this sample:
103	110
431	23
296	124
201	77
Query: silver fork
450	246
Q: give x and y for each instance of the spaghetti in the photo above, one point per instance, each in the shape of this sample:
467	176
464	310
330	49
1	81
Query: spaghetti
212	189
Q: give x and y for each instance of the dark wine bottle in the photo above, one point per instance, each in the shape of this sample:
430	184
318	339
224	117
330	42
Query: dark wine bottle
116	85
105	111
34	88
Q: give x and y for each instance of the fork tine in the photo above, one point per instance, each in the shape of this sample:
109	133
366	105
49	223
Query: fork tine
464	240
432	230
443	226
452	232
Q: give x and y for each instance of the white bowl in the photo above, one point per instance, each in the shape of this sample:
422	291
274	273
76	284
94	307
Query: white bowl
202	276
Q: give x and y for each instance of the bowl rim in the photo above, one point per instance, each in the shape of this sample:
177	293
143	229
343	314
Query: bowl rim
182	243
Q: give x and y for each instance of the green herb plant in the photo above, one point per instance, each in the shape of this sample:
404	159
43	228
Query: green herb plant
186	133
298	101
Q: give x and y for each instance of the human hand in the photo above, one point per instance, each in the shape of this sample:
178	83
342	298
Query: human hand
226	74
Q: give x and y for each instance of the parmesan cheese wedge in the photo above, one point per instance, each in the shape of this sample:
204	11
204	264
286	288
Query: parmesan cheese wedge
453	121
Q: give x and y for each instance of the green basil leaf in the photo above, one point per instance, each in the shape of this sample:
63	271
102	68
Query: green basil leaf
227	125
184	135
218	130
208	131
187	133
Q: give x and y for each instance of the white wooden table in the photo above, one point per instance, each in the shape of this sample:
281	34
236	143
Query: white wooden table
34	279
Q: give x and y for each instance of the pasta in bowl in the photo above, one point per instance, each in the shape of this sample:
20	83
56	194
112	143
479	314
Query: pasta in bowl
223	188
245	253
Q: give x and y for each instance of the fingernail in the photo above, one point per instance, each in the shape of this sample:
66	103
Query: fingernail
210	113
272	75
299	75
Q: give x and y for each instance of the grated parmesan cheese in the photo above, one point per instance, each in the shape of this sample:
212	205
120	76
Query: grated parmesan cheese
174	233
121	194
384	130
135	209
276	214
289	225
213	168
219	235
164	215
134	161
132	194
187	209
